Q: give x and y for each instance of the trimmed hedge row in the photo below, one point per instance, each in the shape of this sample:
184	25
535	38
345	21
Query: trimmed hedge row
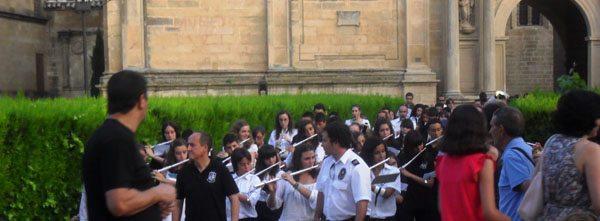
42	141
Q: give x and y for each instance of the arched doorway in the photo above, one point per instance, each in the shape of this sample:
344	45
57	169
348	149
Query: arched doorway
575	24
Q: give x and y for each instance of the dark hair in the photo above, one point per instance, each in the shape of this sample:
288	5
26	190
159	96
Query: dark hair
576	113
511	119
186	134
465	132
320	117
432	112
439	105
435	121
449	100
482	98
382	112
235	129
367	151
412	140
355	143
206	139
309	115
357	106
297	159
124	90
279	127
173	125
406	123
382	121
229	138
489	108
409	94
258	129
301	135
386	109
333	117
339	133
413	113
319	106
265	152
171	159
237	155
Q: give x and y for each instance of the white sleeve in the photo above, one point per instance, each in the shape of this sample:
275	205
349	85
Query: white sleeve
253	148
361	183
288	160
83	216
348	122
255	194
320	152
312	200
272	138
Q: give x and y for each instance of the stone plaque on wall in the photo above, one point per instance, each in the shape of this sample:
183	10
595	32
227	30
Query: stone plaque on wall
348	18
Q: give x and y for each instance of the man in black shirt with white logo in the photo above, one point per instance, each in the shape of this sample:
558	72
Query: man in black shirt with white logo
117	180
204	184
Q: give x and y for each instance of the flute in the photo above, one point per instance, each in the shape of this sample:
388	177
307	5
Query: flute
254	169
296	144
415	157
387	137
377	164
268	168
229	157
291	174
163	143
174	165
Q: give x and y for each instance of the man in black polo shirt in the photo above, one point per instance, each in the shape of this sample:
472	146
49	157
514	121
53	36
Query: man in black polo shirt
204	184
117	180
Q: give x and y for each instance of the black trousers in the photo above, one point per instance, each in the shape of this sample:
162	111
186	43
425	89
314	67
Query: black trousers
265	213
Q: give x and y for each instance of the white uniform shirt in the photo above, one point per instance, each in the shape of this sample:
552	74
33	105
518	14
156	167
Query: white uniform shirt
365	123
253	148
297	207
284	143
380	207
263	194
343	183
246	187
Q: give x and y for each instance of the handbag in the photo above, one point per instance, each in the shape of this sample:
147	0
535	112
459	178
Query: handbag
532	205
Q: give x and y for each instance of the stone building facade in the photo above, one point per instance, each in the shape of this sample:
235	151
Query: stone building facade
41	48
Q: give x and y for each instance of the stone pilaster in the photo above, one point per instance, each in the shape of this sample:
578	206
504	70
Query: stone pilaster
489	44
452	78
278	35
112	36
593	64
132	20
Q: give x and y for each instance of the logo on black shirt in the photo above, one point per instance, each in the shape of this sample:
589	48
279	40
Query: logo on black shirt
212	176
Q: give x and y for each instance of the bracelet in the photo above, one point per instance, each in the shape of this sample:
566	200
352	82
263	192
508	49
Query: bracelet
295	185
377	190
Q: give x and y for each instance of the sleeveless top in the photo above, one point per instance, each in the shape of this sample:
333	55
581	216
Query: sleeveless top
565	186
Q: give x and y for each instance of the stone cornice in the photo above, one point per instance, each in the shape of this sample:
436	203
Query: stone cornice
25	18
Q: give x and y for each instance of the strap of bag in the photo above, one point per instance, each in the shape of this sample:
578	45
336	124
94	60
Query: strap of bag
525	154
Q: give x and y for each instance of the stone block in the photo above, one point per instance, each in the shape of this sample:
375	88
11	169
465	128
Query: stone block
184	4
348	18
159	21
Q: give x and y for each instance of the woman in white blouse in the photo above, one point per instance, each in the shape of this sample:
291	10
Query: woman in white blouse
356	117
383	204
297	194
284	132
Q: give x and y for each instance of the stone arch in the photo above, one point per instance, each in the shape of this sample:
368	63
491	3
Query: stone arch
590	10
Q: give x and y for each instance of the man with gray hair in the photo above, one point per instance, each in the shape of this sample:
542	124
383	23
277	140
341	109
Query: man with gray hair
507	127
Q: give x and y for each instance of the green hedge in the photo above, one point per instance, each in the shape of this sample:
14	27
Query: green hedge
42	141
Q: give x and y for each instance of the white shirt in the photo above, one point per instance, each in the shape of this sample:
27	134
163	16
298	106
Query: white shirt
343	183
83	215
365	123
246	187
161	150
396	125
263	194
284	143
253	148
297	207
380	207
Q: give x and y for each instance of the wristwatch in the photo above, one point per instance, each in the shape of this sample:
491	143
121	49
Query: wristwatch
425	181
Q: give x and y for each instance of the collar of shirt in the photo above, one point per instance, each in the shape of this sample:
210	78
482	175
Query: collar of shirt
517	142
344	158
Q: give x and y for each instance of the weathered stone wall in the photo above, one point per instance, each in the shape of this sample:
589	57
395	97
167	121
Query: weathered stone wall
206	35
24	7
348	34
529	59
20	43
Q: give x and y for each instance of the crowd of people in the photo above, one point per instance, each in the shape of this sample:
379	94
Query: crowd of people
414	162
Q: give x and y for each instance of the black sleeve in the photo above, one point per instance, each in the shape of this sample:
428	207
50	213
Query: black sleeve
179	184
117	164
229	185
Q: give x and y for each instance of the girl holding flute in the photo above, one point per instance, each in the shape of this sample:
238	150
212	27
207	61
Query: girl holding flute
297	193
242	129
383	201
267	156
177	153
284	131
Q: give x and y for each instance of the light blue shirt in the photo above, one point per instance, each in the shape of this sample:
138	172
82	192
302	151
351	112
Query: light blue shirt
516	169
